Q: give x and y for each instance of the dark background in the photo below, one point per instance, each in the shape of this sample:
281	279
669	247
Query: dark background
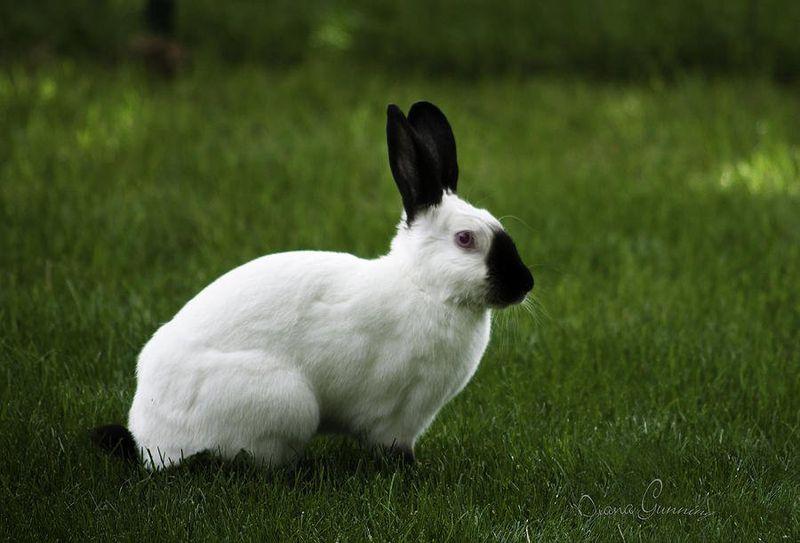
612	38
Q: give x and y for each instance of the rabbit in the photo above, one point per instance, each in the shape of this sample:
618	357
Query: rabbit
298	343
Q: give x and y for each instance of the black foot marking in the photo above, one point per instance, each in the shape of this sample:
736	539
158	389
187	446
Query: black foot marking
400	452
116	440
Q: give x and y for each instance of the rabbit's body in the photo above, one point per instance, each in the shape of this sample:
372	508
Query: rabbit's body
296	343
292	343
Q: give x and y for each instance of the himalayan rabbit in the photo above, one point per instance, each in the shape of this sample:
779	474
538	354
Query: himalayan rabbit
297	343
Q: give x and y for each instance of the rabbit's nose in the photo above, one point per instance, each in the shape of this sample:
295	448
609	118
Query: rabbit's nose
509	278
527	284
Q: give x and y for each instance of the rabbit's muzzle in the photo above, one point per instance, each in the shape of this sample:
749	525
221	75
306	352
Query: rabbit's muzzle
509	278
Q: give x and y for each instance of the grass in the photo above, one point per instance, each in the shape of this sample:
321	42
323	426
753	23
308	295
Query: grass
662	221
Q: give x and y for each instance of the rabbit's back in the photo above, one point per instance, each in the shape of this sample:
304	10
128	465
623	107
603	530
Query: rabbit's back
267	300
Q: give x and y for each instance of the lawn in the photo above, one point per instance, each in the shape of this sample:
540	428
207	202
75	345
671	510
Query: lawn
662	221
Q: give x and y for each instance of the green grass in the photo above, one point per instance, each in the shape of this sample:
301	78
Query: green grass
662	222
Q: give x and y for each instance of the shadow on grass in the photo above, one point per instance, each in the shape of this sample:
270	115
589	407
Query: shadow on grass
330	461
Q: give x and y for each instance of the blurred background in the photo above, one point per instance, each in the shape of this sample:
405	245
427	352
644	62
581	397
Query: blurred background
471	38
645	157
615	38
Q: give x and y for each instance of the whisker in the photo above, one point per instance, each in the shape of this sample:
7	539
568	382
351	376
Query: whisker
526	225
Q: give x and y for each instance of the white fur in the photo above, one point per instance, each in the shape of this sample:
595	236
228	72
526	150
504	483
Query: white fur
295	343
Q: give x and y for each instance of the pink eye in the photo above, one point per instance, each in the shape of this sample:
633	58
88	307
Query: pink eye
465	239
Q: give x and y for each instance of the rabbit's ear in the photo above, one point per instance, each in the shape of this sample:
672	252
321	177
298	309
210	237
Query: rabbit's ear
432	127
413	163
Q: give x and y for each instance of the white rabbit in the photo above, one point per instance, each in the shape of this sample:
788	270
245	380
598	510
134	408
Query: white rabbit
297	343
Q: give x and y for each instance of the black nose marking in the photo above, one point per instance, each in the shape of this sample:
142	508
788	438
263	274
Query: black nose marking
509	279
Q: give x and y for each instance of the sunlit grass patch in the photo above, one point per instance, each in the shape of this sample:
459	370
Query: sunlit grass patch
772	169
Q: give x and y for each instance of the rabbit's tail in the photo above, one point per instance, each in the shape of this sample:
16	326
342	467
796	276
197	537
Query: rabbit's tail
116	440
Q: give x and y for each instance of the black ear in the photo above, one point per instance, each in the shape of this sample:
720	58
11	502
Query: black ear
413	164
432	127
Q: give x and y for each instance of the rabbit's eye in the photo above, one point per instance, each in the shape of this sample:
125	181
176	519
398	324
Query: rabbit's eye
465	239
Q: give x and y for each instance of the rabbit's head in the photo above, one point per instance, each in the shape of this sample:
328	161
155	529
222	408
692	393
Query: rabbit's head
455	251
